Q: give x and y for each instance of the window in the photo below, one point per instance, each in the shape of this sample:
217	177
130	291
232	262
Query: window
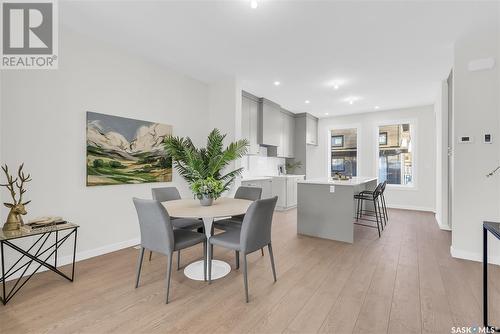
395	154
344	143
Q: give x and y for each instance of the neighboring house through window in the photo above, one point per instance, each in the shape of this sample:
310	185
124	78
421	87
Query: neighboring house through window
396	161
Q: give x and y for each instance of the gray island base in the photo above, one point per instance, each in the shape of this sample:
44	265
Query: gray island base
326	208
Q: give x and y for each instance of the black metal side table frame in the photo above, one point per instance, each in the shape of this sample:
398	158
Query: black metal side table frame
493	228
40	252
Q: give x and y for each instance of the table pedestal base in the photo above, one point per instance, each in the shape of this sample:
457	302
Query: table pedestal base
195	270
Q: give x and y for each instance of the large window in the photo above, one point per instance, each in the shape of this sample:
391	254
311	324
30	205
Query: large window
396	163
344	143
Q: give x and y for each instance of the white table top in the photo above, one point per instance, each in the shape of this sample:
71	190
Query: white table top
355	181
222	207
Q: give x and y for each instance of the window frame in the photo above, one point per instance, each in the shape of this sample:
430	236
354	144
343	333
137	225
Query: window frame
413	134
356	126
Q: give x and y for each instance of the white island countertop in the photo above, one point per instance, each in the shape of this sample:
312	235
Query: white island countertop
355	181
255	178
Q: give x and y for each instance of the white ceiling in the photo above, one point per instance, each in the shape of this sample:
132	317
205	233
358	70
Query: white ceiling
387	54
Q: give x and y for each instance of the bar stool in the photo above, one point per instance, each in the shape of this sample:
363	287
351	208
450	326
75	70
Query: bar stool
385	214
374	197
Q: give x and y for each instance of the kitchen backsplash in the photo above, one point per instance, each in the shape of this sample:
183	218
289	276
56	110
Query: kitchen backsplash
260	165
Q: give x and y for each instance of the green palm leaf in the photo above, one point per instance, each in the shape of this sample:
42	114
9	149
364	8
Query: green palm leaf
195	164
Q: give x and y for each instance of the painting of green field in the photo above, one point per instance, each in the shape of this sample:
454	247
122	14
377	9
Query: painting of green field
126	151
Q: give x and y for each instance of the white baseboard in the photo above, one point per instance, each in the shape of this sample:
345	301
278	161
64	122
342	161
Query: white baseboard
442	226
64	260
410	207
473	256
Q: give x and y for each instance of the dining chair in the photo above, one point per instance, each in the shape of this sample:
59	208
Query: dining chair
157	234
165	194
248	193
255	233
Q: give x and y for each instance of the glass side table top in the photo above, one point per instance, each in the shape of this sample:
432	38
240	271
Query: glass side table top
21	233
493	227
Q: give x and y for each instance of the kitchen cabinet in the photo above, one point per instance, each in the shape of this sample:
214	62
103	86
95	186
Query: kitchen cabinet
285	187
265	123
250	121
265	184
311	130
270	123
286	146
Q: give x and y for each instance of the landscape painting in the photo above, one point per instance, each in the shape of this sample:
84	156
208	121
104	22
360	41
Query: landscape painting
126	151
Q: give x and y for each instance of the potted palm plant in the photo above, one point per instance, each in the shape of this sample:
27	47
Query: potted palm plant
204	168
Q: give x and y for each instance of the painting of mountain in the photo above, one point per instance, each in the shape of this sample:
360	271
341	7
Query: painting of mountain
123	150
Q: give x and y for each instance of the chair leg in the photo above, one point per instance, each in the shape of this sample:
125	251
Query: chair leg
178	260
237	255
357	210
150	255
381	210
270	248
385	208
380	215
245	276
139	266
169	273
376	217
262	251
205	260
210	254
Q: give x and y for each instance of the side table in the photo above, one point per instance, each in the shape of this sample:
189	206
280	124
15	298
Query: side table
40	252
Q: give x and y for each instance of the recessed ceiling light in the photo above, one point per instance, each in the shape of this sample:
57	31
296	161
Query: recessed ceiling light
326	114
352	99
376	107
307	101
254	4
277	83
336	86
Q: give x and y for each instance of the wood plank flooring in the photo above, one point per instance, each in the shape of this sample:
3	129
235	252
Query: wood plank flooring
404	282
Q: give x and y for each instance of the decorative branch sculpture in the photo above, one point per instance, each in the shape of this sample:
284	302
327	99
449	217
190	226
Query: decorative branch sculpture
17	207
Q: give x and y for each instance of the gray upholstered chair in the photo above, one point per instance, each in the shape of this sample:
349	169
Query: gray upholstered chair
157	234
248	193
234	222
254	234
169	194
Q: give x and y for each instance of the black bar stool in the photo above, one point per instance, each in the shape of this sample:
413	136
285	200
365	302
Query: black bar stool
374	197
385	215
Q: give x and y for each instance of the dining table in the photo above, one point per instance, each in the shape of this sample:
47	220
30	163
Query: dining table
221	208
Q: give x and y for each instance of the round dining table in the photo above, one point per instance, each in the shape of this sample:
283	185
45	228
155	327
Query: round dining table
191	208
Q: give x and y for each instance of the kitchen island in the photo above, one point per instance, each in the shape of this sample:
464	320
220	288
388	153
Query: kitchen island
326	207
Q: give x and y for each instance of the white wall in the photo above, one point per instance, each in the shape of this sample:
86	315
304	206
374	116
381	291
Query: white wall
43	124
476	112
441	114
422	197
225	115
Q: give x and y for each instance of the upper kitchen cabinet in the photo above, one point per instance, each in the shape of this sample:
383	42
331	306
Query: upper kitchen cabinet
287	135
311	130
270	123
250	121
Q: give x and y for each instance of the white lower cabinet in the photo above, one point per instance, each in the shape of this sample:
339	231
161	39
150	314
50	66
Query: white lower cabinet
285	187
264	184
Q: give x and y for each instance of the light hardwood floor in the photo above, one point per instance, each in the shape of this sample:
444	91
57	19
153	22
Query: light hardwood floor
404	282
